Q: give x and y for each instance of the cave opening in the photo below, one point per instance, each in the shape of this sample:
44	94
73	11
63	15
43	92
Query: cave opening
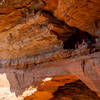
78	37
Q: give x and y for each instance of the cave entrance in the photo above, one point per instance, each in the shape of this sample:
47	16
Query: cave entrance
78	37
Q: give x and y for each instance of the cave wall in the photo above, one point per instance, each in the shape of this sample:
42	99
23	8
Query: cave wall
36	29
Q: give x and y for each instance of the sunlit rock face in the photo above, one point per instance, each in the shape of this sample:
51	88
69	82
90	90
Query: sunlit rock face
63	88
84	14
11	12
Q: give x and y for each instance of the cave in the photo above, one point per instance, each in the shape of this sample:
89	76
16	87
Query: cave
42	53
79	36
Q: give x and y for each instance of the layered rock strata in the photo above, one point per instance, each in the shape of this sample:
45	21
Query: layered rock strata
32	35
85	68
36	39
84	14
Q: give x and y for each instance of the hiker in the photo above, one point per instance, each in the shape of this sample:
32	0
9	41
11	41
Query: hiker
77	45
83	42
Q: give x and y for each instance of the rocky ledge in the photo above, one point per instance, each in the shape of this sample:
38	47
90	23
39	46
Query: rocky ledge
86	68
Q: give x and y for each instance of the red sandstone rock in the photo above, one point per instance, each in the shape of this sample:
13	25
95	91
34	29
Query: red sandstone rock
86	68
34	35
33	32
83	14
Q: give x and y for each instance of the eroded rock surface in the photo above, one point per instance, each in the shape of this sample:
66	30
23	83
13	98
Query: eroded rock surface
36	39
36	27
84	14
63	88
32	35
86	68
35	35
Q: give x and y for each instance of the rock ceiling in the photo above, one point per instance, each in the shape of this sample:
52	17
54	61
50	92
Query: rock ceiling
83	14
34	27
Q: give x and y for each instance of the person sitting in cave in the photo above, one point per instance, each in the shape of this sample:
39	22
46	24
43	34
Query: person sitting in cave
77	45
81	45
84	44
